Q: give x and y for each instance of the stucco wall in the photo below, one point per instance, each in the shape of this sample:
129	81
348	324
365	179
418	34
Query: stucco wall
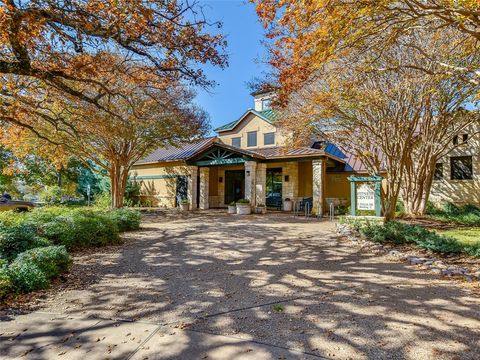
158	181
253	123
460	191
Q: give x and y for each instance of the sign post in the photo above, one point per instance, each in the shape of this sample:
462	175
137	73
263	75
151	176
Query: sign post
366	196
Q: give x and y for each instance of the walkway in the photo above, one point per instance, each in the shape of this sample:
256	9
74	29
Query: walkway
211	286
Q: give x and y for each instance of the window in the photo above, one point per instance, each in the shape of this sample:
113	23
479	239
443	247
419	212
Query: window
237	142
266	104
455	140
252	138
464	138
438	171
461	168
269	139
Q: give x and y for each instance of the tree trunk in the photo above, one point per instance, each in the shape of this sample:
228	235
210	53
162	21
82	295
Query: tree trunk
118	180
417	184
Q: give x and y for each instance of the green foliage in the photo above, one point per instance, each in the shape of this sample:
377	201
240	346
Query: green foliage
451	213
51	195
17	238
51	260
278	308
132	192
400	233
26	241
126	219
243	201
233	203
26	276
5	282
103	201
83	228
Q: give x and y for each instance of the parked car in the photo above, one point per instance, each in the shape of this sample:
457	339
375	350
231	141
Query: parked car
16	205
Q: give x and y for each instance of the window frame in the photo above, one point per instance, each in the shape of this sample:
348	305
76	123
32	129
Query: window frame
267	101
265	138
453	171
239	139
248	138
439	172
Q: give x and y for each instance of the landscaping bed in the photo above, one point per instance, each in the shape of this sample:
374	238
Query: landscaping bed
35	247
440	253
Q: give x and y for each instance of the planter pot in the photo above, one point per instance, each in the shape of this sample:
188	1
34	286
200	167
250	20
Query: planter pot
244	209
287	205
260	210
185	207
232	209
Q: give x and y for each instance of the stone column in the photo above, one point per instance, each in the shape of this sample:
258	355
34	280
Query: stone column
318	186
192	187
250	180
261	184
204	187
290	187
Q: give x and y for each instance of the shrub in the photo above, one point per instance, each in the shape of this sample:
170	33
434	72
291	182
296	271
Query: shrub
400	233
17	238
245	201
79	229
51	260
5	282
51	195
26	276
126	219
465	215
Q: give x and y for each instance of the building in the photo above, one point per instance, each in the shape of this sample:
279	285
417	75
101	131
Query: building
249	159
457	175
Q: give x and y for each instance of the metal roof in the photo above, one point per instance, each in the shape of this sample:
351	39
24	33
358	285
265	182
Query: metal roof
268	115
173	153
352	163
286	152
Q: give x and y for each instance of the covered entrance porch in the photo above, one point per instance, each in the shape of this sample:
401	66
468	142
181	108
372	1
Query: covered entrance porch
227	174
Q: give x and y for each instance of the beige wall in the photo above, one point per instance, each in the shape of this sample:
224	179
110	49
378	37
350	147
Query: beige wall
160	191
253	123
460	191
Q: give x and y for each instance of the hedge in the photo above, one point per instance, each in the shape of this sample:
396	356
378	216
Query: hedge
34	246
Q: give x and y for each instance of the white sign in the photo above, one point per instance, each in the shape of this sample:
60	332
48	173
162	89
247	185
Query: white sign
365	197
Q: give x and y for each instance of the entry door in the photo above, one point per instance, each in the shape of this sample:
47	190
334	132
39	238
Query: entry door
234	185
182	189
274	188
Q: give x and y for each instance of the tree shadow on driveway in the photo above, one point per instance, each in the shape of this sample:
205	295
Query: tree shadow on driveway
271	281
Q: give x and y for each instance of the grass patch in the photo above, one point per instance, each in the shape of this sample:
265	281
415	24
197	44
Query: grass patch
470	236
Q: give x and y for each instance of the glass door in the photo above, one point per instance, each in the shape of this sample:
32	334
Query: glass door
274	188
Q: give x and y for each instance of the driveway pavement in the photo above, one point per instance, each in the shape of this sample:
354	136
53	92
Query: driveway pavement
212	286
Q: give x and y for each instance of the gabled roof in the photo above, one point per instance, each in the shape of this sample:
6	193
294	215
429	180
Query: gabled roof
269	116
175	153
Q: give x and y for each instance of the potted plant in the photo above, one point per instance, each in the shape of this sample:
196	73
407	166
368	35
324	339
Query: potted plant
243	207
232	208
184	205
287	204
260	209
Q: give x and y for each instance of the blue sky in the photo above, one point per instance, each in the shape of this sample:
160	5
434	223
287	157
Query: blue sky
231	97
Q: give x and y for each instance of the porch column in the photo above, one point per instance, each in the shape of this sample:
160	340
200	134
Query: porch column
250	180
192	187
261	184
318	186
204	185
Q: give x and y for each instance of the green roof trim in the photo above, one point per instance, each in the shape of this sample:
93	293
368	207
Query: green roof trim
269	116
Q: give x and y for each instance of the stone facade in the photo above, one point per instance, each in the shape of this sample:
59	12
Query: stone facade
204	188
318	186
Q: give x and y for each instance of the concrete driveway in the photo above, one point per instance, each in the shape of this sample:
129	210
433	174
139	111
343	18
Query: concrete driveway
212	286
